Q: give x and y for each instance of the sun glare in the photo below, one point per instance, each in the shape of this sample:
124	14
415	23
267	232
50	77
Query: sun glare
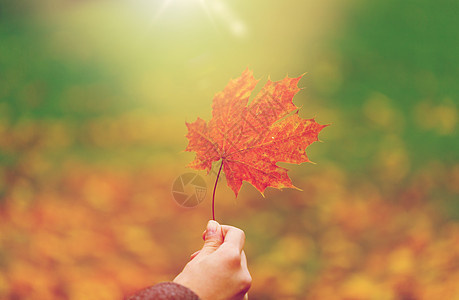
217	12
171	5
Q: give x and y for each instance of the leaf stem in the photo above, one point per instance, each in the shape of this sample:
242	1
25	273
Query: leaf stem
215	188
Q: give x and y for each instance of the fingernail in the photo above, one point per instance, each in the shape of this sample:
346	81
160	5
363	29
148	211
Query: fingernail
212	227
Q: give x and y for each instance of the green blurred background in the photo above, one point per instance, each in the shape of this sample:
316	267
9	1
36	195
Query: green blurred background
94	96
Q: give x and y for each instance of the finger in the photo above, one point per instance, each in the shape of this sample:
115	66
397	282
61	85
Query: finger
194	254
213	238
233	237
204	235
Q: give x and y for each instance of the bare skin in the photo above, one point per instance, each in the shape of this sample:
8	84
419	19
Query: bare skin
219	270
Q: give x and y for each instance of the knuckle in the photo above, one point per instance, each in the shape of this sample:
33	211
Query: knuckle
239	232
242	233
233	257
246	282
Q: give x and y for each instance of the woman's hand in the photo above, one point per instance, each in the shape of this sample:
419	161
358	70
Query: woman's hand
219	270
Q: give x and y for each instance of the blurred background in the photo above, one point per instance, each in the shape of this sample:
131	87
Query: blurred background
94	96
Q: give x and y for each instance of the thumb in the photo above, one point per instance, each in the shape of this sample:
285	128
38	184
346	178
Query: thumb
213	237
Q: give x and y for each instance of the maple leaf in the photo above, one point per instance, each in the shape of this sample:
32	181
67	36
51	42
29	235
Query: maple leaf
250	139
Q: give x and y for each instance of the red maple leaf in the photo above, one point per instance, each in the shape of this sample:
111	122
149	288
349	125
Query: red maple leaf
250	139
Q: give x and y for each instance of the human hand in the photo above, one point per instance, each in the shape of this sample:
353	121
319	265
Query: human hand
219	270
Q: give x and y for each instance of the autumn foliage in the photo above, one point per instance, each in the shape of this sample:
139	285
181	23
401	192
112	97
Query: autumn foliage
250	139
92	106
